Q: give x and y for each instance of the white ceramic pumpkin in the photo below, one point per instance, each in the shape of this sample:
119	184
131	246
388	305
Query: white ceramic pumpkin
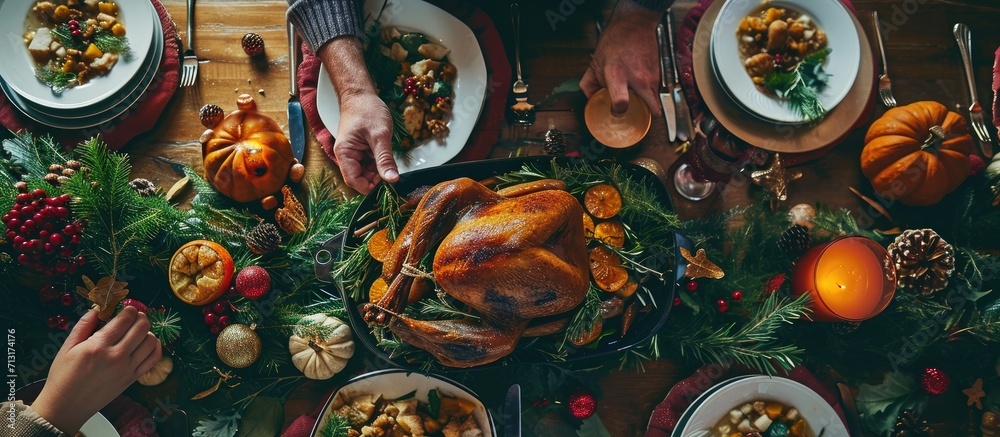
321	357
158	373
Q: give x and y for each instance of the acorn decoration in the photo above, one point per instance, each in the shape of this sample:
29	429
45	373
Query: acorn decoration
238	346
263	239
253	44
210	115
924	261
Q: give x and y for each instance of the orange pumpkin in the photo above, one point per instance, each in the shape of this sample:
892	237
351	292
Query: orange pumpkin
247	156
917	153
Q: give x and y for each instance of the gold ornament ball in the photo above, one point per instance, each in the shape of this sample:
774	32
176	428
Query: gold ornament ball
653	167
990	424
238	346
802	214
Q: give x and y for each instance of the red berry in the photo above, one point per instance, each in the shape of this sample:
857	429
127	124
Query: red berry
76	33
692	286
410	81
224	321
737	296
206	310
52	322
215	329
66	299
69	230
253	282
219	308
722	305
62	323
23	198
210	319
38	193
677	301
48	293
56	239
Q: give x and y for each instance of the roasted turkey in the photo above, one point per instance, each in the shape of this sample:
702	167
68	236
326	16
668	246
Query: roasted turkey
511	256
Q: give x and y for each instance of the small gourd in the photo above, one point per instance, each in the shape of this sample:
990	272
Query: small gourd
321	346
159	373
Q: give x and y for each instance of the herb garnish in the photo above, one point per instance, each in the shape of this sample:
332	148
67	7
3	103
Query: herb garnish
801	86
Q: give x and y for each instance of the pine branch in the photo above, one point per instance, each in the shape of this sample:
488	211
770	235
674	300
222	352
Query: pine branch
165	325
33	155
335	426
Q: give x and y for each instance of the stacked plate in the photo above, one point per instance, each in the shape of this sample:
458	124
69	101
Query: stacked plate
103	98
842	64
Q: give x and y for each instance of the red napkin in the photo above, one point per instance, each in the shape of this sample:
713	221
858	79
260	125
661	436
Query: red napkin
685	39
486	132
130	418
303	425
666	414
138	119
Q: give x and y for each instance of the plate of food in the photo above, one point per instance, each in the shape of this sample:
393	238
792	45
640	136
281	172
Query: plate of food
787	61
522	260
70	57
761	404
419	404
431	73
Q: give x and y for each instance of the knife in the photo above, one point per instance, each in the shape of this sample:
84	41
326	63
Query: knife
512	412
685	130
666	100
296	128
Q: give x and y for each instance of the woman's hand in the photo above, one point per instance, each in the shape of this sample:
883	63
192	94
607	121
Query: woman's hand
93	368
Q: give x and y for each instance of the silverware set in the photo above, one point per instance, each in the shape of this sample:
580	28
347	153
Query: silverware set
884	84
189	70
675	108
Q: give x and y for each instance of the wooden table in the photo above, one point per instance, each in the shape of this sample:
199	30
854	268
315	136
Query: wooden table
922	53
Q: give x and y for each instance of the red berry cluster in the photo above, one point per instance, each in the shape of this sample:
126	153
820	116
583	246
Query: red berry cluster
410	86
74	29
216	316
43	232
52	296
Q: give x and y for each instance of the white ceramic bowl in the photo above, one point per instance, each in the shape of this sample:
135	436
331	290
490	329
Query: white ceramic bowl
842	64
395	383
470	84
18	68
814	409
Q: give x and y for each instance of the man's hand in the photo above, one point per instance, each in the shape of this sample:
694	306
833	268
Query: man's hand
93	368
627	57
363	146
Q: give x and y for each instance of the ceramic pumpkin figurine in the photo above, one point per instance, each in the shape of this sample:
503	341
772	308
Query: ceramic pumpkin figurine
917	153
321	346
247	155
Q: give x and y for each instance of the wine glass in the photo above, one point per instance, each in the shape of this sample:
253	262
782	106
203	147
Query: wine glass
709	162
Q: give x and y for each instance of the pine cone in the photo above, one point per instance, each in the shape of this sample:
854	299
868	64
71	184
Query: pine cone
795	239
144	187
845	328
555	143
924	261
264	238
253	44
908	424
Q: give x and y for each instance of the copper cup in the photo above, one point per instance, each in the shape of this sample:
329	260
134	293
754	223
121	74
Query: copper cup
619	131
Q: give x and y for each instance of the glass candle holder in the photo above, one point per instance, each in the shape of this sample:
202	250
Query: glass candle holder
850	279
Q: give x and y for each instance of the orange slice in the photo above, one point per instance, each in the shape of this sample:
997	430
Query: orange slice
419	288
588	226
603	201
628	289
606	269
200	272
379	244
611	233
379	288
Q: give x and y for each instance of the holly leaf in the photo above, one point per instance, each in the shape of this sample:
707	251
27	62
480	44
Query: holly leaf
262	418
873	399
218	426
593	427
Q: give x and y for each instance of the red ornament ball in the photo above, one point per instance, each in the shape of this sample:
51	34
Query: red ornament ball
253	282
722	305
737	295
692	286
976	164
934	381
253	44
582	404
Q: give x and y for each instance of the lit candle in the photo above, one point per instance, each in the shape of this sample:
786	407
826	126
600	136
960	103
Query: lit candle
849	279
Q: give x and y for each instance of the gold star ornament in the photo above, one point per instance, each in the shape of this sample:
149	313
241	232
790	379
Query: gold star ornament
975	394
699	266
775	178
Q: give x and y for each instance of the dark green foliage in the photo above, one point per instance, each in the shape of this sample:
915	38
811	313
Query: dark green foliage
801	86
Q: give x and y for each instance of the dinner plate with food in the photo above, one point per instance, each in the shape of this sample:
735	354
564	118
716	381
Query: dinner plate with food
67	57
419	404
430	71
786	61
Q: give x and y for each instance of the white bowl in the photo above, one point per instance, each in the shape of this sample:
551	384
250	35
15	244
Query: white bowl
842	64
470	84
18	68
395	383
814	409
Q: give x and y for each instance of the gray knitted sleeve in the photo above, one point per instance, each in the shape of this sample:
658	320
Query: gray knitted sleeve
319	21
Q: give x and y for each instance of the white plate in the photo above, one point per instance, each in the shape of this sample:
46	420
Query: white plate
135	93
98	426
842	64
814	409
395	383
470	84
686	416
18	68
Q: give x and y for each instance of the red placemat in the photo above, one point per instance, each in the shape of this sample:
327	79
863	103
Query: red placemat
487	130
141	117
685	38
666	414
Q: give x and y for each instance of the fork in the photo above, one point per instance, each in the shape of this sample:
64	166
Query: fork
523	112
884	84
189	71
964	38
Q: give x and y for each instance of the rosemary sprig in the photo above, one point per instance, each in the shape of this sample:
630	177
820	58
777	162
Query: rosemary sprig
801	86
586	315
66	38
55	78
